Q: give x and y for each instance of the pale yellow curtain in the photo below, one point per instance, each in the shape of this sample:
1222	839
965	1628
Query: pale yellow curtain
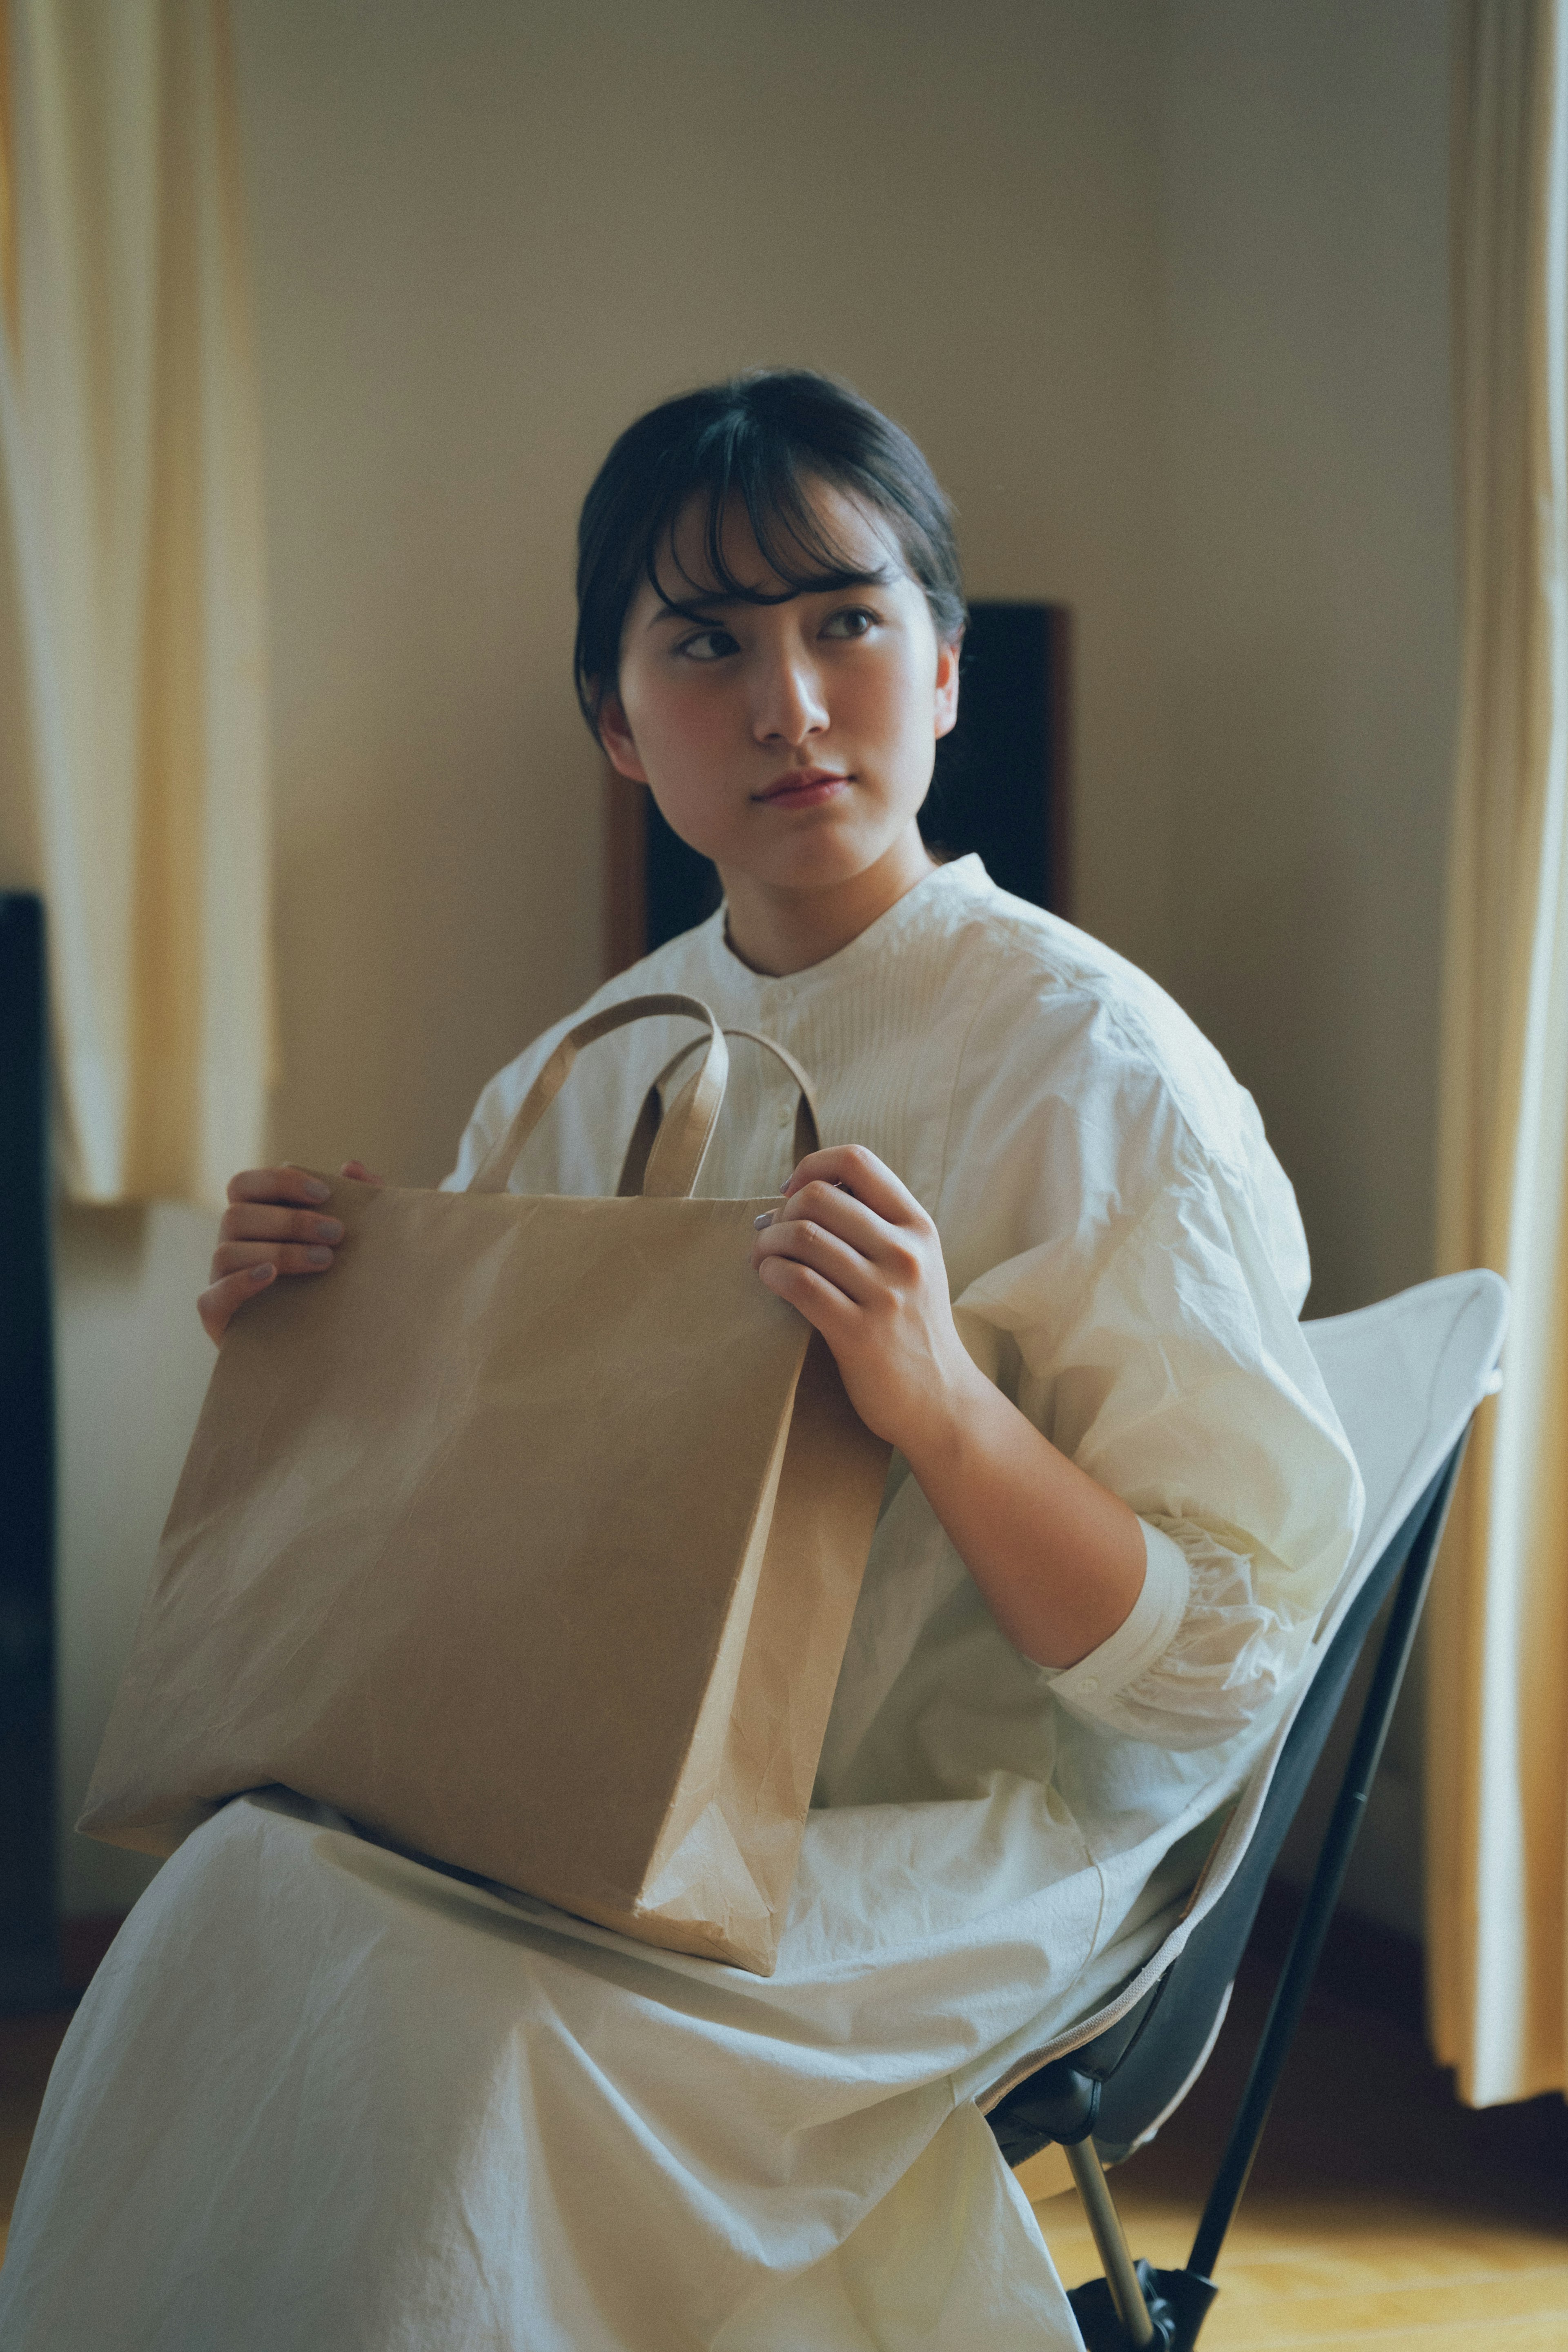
134	775
1497	1750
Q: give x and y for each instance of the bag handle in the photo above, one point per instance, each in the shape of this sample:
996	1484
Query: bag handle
651	1121
680	1147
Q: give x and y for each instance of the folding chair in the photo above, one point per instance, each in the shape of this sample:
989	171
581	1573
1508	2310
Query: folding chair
1406	1377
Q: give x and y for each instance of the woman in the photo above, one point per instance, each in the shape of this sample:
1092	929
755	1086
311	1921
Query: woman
323	2093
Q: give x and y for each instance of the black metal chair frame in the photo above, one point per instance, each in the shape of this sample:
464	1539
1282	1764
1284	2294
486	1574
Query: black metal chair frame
1115	2087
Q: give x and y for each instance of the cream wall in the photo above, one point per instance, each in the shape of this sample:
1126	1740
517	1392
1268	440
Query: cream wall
485	236
1310	632
1310	618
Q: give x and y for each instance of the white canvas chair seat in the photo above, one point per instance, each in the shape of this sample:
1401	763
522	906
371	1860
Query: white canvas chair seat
1406	1377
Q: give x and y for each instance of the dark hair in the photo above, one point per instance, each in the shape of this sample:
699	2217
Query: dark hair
761	438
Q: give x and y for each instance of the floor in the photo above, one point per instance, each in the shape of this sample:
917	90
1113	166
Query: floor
1418	2227
1379	2213
27	2047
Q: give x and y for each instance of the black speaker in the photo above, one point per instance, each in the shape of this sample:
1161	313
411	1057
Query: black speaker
1001	783
29	1924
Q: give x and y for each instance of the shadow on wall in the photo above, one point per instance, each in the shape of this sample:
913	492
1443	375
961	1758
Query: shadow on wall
1310	954
133	1364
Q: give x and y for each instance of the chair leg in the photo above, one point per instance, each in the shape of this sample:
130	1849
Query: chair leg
1295	1978
1110	2242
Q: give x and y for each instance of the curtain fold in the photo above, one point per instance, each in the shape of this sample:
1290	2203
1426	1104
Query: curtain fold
131	529
1497	1701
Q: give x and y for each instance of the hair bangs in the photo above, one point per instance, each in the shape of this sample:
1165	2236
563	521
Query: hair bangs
792	540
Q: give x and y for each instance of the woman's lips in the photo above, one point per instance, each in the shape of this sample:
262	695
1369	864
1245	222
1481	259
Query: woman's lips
804	788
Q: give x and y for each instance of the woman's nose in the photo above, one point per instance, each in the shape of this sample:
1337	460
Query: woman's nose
790	704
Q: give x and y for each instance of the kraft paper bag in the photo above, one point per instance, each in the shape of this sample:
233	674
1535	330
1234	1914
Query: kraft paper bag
529	1538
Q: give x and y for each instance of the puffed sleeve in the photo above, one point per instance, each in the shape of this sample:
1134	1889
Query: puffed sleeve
487	1124
1164	1354
493	1115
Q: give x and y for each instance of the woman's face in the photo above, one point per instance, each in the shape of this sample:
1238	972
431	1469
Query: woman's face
791	744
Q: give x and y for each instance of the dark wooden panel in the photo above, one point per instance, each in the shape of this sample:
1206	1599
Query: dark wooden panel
1000	788
1002	781
29	1953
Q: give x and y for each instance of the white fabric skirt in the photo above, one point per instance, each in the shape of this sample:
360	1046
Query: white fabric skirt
320	2093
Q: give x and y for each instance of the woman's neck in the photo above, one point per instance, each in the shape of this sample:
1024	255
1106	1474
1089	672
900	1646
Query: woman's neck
777	930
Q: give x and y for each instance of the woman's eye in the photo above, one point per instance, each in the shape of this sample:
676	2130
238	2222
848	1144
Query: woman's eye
853	621
708	645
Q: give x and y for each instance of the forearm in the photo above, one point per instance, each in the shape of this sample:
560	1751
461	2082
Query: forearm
1059	1558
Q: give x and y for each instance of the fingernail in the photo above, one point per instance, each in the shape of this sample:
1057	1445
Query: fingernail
765	1219
318	1257
317	1190
262	1274
328	1228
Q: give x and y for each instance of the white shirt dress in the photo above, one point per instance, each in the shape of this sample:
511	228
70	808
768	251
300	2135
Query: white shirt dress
323	2094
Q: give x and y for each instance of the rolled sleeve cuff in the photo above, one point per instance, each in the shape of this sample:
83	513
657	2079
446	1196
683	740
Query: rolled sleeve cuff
1142	1637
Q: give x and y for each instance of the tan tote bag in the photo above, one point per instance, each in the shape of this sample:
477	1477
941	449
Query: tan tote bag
530	1538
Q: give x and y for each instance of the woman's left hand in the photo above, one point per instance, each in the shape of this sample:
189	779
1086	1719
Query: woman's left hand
852	1248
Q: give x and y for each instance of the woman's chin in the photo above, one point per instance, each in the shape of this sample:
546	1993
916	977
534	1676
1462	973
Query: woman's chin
825	855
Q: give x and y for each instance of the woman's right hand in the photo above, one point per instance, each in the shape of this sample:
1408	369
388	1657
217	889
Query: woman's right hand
272	1225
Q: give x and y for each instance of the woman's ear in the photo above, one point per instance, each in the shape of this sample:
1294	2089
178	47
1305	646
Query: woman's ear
619	745
948	685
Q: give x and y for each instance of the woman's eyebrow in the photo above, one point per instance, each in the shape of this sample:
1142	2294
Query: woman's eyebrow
691	612
703	608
